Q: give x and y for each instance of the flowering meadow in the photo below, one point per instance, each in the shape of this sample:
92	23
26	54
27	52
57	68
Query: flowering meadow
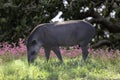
101	64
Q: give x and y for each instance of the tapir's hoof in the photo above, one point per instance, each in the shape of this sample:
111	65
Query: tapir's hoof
61	62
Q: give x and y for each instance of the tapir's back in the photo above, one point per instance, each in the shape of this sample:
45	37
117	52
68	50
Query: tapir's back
69	33
70	26
75	28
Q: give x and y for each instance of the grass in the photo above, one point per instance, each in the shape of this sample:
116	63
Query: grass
97	67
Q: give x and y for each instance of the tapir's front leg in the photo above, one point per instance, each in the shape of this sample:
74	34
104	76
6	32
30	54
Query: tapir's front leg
47	53
57	52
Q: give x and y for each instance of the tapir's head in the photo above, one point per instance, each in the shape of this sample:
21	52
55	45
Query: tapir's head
33	47
33	43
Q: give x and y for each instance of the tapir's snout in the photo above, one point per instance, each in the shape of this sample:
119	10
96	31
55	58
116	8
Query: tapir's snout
31	56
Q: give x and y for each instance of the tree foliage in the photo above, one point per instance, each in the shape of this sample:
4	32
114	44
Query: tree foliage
19	17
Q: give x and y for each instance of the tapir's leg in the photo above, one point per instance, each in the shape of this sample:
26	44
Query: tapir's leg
84	47
57	52
47	53
84	52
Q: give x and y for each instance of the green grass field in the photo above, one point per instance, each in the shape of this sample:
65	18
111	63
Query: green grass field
97	67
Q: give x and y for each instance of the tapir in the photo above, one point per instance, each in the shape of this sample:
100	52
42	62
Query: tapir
51	36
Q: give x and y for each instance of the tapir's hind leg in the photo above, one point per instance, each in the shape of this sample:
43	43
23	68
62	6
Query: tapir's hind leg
84	52
47	53
84	47
57	52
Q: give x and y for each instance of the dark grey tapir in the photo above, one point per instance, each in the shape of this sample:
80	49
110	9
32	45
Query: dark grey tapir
51	36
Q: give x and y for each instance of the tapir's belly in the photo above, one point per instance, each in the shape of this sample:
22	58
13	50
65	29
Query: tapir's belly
67	42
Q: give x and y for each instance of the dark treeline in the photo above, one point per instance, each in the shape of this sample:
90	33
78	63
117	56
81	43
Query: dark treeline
19	17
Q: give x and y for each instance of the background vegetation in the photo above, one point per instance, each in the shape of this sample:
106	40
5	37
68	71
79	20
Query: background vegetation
19	17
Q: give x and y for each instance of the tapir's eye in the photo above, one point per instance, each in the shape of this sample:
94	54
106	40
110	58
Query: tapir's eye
33	42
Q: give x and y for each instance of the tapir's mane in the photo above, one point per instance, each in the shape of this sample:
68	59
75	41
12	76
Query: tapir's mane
40	25
68	22
34	30
58	23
